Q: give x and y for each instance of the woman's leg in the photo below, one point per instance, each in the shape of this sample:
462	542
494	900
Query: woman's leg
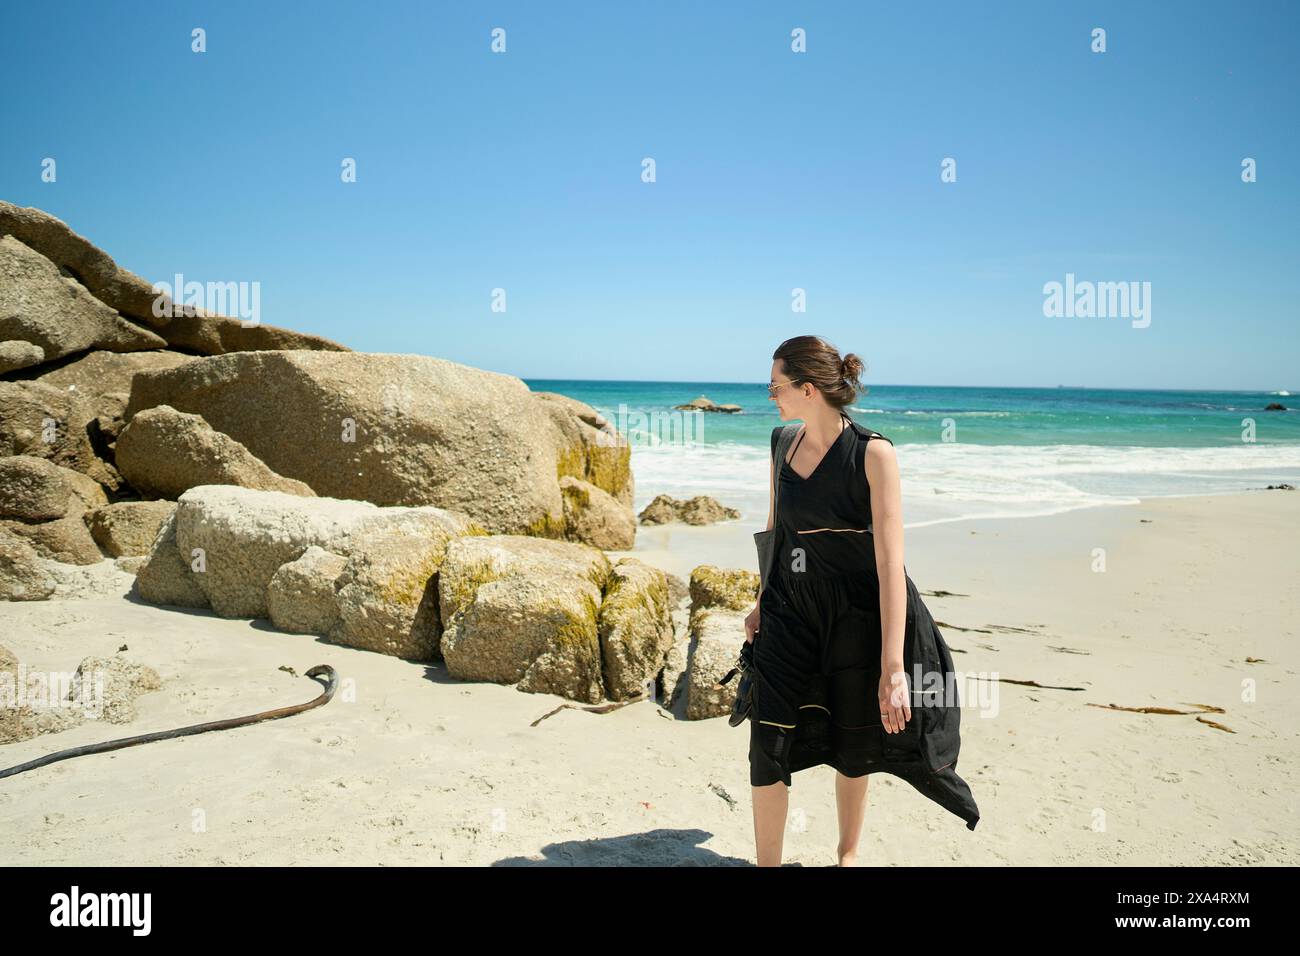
771	804
851	803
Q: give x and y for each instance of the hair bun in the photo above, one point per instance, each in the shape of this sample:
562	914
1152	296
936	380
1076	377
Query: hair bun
851	368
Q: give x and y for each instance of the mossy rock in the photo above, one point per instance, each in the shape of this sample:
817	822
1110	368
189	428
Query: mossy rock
733	588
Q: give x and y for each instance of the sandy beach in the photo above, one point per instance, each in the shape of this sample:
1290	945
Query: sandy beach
408	766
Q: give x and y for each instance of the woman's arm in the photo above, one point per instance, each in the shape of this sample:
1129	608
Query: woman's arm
887	532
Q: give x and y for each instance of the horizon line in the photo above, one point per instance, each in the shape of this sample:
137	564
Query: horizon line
1082	388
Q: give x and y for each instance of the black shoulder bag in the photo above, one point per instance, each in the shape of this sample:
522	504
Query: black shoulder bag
765	543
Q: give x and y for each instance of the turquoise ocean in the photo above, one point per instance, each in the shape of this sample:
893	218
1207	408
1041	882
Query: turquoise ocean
968	452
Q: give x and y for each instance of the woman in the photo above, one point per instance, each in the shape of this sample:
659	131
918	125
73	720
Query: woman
840	626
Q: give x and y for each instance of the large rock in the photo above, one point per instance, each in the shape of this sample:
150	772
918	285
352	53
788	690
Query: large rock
44	503
388	429
387	594
675	679
101	688
134	297
26	575
23	574
303	595
588	447
36	489
122	291
109	686
163	453
15	354
706	404
55	313
22	695
732	588
65	539
168	577
128	528
716	636
522	610
209	334
232	540
15	713
720	600
52	423
636	627
593	516
100	372
700	510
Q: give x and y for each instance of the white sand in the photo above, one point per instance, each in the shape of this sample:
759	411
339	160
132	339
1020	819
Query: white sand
418	768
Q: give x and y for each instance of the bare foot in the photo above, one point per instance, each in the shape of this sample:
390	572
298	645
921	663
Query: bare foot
848	859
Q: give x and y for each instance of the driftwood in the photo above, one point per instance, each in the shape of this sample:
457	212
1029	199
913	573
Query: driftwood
1029	683
592	708
1200	709
990	628
958	627
1215	724
320	670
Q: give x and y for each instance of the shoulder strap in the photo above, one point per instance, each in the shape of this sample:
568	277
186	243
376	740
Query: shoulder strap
863	431
786	436
782	435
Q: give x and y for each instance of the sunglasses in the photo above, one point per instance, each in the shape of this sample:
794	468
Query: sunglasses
773	389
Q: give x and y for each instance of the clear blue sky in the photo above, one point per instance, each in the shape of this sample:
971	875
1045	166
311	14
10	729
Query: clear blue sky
775	170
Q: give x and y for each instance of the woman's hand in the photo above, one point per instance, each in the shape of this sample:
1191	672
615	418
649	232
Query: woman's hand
895	701
751	624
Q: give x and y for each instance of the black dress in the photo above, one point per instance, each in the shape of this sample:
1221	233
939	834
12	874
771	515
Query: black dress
817	650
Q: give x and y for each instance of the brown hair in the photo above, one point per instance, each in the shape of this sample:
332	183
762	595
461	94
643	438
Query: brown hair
811	359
